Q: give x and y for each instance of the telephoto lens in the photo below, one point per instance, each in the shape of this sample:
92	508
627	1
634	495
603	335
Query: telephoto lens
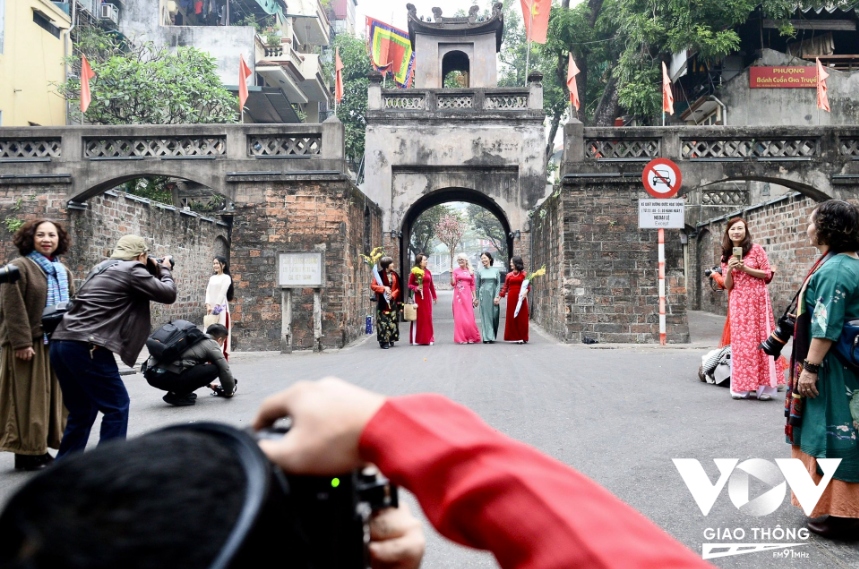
773	345
9	274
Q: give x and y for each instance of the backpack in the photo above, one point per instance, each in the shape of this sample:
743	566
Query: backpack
167	343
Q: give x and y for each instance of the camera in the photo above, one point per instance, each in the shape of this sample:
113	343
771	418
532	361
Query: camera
9	274
773	345
333	512
709	272
160	261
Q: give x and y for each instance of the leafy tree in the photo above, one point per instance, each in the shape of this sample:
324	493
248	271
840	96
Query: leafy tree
145	84
486	226
423	230
450	229
353	108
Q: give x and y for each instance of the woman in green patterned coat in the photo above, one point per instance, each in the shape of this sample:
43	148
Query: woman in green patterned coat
389	296
821	421
488	287
31	404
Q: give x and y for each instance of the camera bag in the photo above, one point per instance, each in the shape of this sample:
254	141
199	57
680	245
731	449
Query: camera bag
167	343
53	315
847	347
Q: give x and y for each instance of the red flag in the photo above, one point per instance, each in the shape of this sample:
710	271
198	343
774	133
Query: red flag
86	74
536	16
667	95
572	71
338	76
822	97
244	73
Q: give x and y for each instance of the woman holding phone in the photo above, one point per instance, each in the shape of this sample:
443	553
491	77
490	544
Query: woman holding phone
747	272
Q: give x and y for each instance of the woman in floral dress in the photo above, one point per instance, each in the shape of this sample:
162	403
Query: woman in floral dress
752	371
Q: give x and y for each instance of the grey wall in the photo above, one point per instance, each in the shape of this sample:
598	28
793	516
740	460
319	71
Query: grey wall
778	107
429	51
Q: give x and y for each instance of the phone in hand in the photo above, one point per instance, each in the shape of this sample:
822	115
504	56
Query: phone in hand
738	253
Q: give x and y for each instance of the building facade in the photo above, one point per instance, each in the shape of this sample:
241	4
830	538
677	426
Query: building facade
33	42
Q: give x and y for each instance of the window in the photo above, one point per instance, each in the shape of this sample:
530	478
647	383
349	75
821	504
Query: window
42	20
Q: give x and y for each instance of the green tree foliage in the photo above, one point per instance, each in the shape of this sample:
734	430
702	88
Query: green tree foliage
423	235
484	225
353	108
145	84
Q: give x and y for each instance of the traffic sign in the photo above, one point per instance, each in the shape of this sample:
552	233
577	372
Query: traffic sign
661	214
662	178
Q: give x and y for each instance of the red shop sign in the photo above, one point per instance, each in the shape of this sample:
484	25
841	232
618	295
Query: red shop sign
793	77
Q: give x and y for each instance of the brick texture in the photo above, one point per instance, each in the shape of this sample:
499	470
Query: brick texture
602	281
193	241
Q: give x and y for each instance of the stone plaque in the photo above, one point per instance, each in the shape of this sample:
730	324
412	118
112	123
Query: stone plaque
299	270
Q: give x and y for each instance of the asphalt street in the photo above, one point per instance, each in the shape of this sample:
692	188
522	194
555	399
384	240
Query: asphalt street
619	414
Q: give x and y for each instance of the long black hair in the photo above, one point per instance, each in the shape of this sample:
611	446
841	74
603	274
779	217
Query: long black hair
223	262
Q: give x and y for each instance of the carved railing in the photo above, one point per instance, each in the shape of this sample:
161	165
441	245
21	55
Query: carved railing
131	147
404	102
30	149
268	146
750	148
499	100
724	197
620	149
513	102
849	146
459	101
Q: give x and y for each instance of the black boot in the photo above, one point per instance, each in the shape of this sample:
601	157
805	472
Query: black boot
29	463
183	400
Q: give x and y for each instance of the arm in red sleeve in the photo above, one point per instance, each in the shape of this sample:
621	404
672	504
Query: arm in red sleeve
505	287
413	283
483	489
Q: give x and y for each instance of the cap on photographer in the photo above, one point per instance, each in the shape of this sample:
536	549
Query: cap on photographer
109	315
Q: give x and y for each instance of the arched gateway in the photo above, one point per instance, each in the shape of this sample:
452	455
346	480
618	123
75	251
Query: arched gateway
431	145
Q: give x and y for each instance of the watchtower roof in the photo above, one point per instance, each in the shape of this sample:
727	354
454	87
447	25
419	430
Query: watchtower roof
468	26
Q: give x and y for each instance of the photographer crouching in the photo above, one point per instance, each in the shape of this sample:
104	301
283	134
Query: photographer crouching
110	314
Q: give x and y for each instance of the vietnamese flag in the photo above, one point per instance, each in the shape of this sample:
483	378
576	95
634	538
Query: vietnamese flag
86	74
244	73
536	16
822	97
667	95
572	71
338	76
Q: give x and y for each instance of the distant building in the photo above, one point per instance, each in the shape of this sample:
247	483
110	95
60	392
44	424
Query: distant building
771	79
288	83
33	42
343	16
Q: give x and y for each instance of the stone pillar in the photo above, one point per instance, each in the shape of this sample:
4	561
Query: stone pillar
334	140
374	92
535	91
574	143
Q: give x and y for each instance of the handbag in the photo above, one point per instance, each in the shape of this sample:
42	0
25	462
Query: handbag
410	312
210	319
847	347
52	316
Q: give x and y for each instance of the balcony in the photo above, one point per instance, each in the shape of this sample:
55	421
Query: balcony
298	75
310	23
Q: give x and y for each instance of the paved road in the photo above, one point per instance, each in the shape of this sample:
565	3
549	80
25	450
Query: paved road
618	414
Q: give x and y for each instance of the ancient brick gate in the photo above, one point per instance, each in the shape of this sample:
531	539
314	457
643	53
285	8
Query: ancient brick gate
294	224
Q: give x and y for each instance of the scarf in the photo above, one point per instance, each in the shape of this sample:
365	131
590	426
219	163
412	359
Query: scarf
58	279
794	402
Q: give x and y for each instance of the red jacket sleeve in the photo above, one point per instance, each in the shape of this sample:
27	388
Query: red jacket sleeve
485	490
505	287
413	283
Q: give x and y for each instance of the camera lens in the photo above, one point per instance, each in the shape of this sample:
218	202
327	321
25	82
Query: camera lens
773	345
9	274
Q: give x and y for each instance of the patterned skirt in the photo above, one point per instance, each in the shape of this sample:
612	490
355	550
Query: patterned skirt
387	326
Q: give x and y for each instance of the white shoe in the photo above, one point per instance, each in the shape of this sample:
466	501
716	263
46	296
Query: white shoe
764	397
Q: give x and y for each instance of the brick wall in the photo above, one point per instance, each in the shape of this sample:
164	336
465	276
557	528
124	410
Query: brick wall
606	270
316	213
191	240
779	227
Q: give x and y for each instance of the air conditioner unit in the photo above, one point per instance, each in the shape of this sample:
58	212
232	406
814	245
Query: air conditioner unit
108	12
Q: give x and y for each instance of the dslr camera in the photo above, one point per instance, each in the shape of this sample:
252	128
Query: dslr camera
160	261
715	269
773	345
9	274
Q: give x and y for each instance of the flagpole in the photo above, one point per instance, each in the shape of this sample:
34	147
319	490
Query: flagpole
528	34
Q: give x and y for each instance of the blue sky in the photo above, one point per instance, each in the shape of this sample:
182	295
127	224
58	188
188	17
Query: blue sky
394	11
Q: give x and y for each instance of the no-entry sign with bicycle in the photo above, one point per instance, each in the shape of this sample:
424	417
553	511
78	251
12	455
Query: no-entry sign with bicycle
662	178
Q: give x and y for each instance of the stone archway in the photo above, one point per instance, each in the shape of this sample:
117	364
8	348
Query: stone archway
447	195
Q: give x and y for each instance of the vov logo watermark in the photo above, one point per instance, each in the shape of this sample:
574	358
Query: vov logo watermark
785	472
